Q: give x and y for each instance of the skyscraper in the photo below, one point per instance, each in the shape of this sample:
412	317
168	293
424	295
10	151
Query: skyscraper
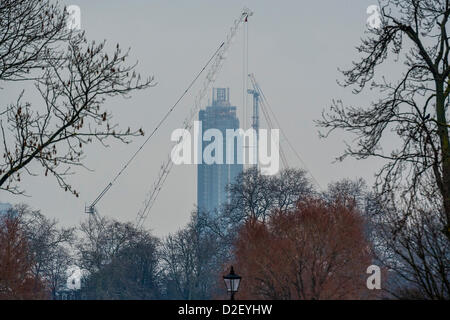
212	179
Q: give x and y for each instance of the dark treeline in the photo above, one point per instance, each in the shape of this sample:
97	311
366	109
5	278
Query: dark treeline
285	238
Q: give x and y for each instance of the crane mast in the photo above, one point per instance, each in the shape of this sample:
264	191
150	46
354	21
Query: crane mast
255	123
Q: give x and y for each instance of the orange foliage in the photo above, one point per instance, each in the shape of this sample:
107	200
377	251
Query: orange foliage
317	251
16	280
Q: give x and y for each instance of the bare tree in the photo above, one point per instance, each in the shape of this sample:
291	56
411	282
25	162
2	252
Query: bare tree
50	247
74	79
16	262
101	240
255	196
413	106
190	260
348	192
416	253
58	270
29	31
122	261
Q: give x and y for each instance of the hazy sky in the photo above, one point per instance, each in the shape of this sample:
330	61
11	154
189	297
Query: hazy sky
295	48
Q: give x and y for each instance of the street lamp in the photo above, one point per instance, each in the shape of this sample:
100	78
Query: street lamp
232	282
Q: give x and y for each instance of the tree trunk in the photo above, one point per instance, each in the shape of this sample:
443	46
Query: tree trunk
445	149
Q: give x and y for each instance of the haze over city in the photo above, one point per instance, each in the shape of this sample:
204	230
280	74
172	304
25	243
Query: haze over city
293	53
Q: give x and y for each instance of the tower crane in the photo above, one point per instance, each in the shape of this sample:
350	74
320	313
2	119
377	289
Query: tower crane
255	123
215	63
210	78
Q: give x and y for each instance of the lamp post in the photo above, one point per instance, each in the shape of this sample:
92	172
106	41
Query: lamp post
232	282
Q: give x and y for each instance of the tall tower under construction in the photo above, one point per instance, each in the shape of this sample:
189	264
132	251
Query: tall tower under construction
212	179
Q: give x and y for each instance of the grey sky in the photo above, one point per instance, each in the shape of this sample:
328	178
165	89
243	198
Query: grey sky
295	48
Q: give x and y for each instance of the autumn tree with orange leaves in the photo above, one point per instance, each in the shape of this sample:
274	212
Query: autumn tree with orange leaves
16	278
316	251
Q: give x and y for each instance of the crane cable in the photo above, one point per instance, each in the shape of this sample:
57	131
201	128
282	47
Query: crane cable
265	104
157	127
267	117
271	126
